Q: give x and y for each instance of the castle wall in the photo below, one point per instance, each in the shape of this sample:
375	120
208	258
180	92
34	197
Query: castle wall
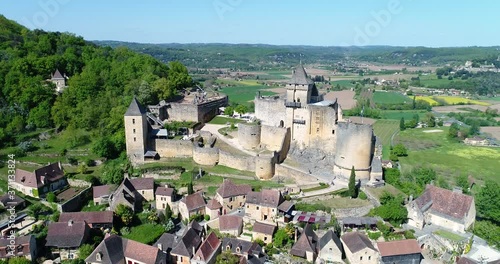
202	112
354	148
276	139
270	110
238	162
208	110
297	175
206	156
265	166
323	128
169	148
299	121
249	135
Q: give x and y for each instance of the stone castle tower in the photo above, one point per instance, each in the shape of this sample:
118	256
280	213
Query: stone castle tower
136	131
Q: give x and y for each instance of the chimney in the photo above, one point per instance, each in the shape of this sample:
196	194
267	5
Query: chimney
70	223
160	247
296	235
194	251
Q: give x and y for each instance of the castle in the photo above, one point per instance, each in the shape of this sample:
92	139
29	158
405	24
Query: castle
301	119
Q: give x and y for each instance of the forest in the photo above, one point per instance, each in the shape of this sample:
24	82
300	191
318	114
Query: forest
101	83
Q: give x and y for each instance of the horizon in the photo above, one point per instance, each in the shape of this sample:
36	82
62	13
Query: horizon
355	23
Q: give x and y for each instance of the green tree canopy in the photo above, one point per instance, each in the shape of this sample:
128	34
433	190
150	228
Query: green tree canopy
488	201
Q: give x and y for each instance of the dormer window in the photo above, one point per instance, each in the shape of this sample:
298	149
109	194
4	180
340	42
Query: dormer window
228	247
98	256
238	249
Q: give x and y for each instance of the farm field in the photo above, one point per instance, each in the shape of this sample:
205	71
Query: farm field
345	98
397	114
493	131
390	98
384	129
245	92
450	100
447	157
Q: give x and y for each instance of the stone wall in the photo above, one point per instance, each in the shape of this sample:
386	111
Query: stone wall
355	143
208	110
265	166
270	110
182	112
169	148
238	162
249	135
206	156
297	175
77	202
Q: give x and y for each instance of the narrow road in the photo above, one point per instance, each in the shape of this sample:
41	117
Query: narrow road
233	142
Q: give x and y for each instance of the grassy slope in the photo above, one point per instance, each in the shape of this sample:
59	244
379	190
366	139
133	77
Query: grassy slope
384	129
390	98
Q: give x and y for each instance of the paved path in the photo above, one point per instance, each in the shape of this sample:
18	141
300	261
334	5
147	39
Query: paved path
233	142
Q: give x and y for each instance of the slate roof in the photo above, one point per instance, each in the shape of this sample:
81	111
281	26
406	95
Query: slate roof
51	172
269	198
193	201
89	217
125	194
230	222
6	200
114	249
143	183
208	248
213	204
65	235
102	190
399	247
167	241
164	191
22	244
246	247
135	109
264	228
359	221
285	206
57	75
229	189
356	241
299	76
327	237
185	246
449	203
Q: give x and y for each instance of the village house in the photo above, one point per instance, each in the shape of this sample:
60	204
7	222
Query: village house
213	209
102	193
65	238
232	196
145	187
116	249
477	141
96	220
15	201
132	192
181	249
193	204
59	80
400	251
444	208
306	245
330	248
208	251
164	196
41	181
263	231
359	249
24	247
263	205
251	252
231	225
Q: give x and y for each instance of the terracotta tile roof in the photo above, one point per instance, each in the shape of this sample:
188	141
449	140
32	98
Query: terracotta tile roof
22	244
89	217
356	241
65	235
193	201
143	183
164	191
269	198
213	204
208	248
229	189
264	228
114	249
449	203
35	179
102	190
399	247
230	222
26	178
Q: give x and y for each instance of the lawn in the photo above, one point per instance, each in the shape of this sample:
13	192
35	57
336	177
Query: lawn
397	114
449	235
384	129
221	120
344	202
145	233
244	91
390	98
344	83
377	192
448	157
431	81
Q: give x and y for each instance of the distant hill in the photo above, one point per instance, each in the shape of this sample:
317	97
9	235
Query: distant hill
261	56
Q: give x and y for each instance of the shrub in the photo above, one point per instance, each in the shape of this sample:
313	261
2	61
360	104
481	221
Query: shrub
207	217
374	235
72	161
51	197
363	196
90	162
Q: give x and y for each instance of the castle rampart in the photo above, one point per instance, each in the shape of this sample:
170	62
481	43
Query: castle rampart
249	135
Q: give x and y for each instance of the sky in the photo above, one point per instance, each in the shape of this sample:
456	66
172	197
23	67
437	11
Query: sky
431	23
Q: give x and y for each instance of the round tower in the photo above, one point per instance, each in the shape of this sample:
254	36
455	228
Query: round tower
249	135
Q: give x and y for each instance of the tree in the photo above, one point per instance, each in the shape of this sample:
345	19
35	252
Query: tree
430	120
51	197
82	168
402	124
125	213
463	182
400	150
281	238
19	260
85	251
104	147
226	257
190	189
241	109
392	209
229	111
488	201
168	212
352	184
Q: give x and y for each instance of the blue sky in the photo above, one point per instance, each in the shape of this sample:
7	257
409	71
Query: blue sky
322	22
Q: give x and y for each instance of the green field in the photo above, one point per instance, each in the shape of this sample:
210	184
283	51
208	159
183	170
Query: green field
345	83
243	92
220	120
397	114
390	98
432	81
449	158
384	129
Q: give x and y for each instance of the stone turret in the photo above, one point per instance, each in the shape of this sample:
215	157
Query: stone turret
136	131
